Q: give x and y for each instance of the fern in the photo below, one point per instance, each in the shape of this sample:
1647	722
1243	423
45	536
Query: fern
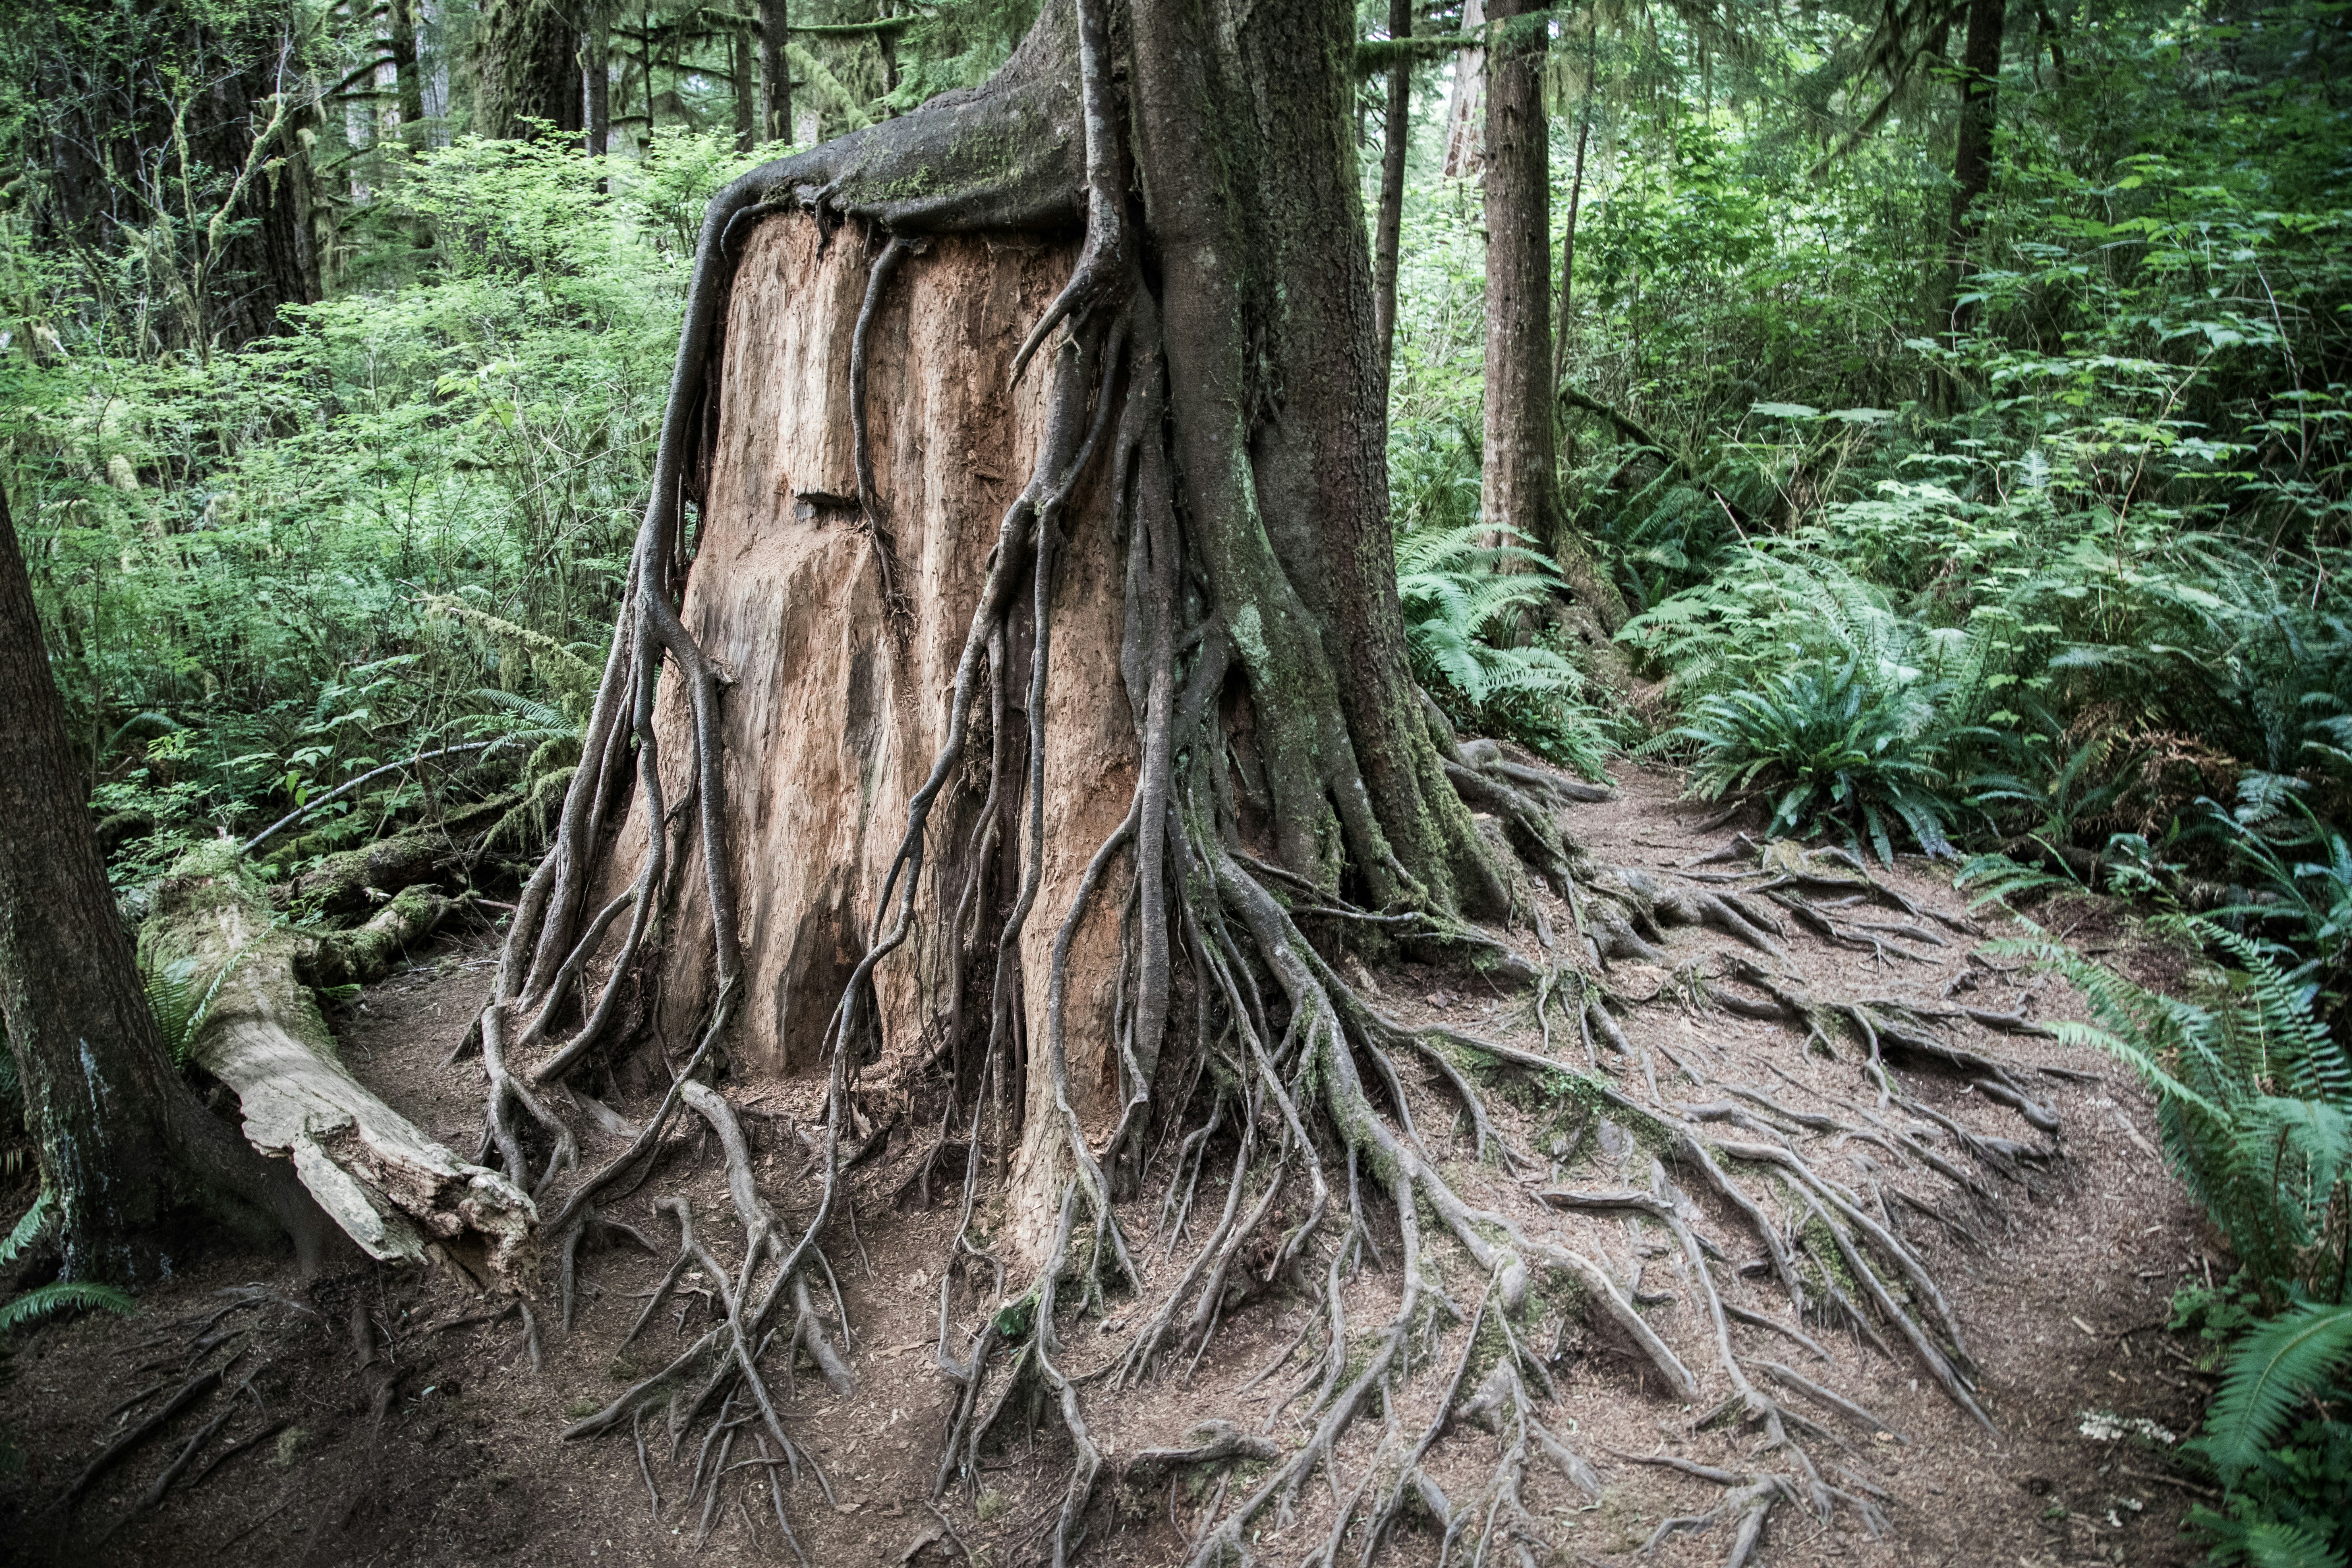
2269	1369
2271	1544
1463	595
63	1295
26	1229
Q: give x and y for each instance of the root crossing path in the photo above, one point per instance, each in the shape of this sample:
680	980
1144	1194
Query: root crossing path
1712	1254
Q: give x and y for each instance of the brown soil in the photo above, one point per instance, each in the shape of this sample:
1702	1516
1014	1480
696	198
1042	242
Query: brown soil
445	1450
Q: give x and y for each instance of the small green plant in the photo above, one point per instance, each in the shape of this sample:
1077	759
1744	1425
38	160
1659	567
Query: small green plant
59	1295
1832	749
1466	592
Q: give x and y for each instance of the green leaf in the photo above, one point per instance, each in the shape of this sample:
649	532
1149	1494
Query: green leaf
2268	1371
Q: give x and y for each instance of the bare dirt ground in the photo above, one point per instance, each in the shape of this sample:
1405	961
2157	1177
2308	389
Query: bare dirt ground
444	1448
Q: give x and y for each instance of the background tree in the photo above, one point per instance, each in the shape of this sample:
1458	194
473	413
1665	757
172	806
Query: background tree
526	68
1519	484
123	1143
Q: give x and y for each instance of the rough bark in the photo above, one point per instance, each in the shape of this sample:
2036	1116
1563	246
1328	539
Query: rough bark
1396	138
1519	481
775	71
122	1143
526	68
389	1188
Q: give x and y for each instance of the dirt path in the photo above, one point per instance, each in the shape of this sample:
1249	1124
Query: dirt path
444	1449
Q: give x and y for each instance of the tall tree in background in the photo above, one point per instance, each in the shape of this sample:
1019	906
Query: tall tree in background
1972	153
123	1142
526	68
174	134
1519	480
775	71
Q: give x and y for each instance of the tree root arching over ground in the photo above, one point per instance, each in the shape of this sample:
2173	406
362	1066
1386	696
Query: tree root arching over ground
1295	802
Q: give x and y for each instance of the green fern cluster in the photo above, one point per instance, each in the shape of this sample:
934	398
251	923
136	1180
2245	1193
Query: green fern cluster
60	1295
1809	687
2254	1098
1465	592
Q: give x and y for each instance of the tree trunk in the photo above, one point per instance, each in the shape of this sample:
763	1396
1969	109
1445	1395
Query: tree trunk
526	68
1519	482
775	71
1568	245
408	80
1466	106
122	1143
744	83
596	60
1972	155
1004	682
152	112
1397	138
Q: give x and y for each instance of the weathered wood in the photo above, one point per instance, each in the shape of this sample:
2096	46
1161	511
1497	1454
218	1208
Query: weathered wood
390	1187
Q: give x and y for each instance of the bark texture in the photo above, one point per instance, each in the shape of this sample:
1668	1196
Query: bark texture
526	68
123	1142
1396	139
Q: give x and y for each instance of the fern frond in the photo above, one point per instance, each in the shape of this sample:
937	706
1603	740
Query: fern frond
2268	1371
63	1295
26	1229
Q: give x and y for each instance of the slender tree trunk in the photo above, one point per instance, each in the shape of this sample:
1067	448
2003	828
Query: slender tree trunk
123	1142
1567	243
596	61
526	68
1392	154
1972	156
1466	106
775	71
408	80
1519	484
745	82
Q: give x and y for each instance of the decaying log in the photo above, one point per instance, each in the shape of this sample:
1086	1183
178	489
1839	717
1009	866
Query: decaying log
393	1189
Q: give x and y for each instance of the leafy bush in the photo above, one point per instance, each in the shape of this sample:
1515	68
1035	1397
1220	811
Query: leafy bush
1830	748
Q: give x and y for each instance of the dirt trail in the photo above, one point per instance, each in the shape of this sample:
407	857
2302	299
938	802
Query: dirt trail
444	1449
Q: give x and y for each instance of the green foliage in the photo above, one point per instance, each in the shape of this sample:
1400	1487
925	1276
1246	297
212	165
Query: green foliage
2254	1098
2273	1367
1465	592
60	1295
63	1295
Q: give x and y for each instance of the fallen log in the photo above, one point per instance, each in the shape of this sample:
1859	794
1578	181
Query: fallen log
394	1190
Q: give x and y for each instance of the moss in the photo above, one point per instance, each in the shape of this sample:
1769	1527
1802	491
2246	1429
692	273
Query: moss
989	1506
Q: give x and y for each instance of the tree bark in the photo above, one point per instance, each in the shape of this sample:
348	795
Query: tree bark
775	71
1972	155
596	61
1519	481
1397	138
408	80
526	68
122	1143
1466	106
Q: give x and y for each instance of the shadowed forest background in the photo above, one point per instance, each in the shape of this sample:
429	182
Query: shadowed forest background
1955	395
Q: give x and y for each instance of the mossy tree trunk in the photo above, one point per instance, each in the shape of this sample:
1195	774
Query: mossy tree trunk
526	68
123	1143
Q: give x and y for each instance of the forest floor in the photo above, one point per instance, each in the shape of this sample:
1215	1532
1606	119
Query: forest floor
446	1449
